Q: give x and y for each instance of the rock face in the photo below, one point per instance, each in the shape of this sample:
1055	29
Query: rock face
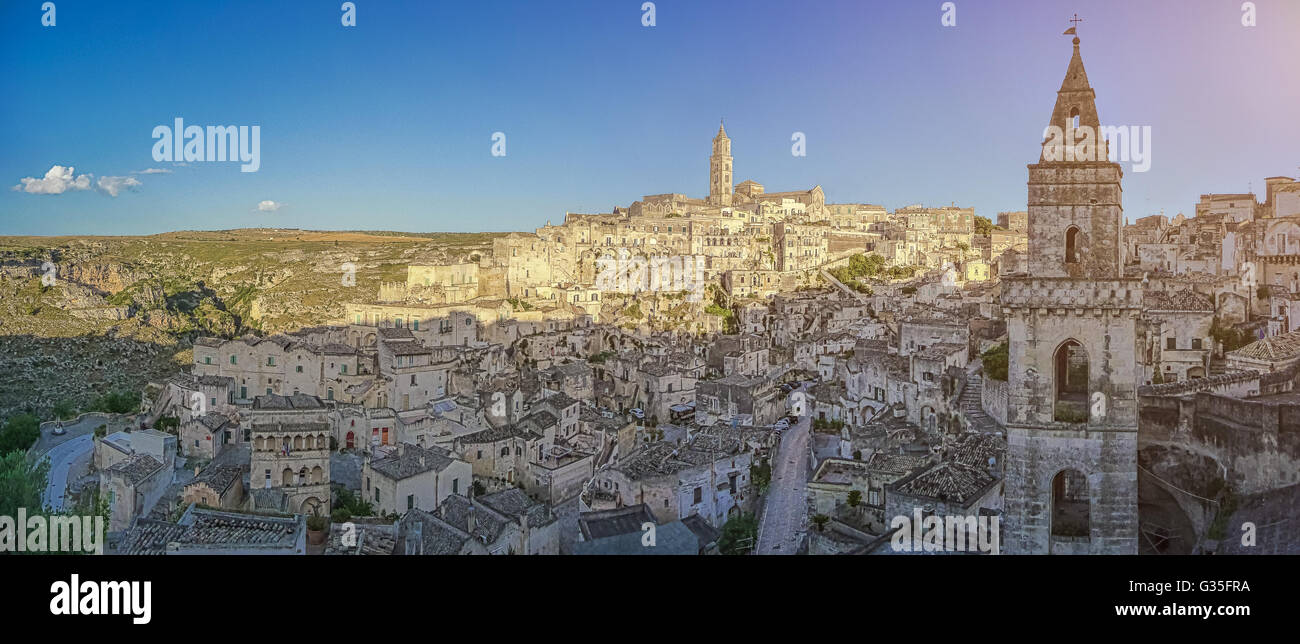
102	276
119	310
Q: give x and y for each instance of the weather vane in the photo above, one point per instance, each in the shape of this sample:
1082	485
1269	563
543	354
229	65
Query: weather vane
1074	22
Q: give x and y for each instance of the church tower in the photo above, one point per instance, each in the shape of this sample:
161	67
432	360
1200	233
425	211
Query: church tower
1072	327
720	169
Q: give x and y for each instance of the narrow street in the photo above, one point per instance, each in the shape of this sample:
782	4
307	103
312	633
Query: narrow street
785	514
62	459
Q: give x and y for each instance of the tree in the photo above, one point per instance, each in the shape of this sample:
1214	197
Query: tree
21	484
820	521
64	409
116	402
855	498
983	226
738	535
19	433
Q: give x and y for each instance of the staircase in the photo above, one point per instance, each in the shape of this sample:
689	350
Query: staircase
970	406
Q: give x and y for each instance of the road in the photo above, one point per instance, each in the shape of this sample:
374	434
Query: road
62	458
785	511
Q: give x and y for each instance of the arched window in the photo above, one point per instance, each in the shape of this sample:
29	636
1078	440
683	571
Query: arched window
1074	117
1070	504
286	477
1072	245
1071	371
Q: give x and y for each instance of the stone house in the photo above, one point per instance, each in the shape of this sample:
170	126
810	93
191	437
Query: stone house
408	477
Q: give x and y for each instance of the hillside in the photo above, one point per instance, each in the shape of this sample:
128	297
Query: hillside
123	310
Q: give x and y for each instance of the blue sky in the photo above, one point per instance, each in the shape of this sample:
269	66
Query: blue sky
388	124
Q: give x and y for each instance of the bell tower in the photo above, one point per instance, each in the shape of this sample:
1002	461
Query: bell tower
720	185
1072	328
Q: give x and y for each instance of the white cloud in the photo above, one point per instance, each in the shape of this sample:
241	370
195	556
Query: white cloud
111	186
269	206
57	181
153	171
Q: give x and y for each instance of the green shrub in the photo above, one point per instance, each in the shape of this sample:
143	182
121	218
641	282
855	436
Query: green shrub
995	362
19	433
118	402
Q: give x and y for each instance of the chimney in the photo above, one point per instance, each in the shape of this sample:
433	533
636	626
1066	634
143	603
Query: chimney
472	521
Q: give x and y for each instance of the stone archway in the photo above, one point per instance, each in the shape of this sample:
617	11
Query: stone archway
1071	373
311	506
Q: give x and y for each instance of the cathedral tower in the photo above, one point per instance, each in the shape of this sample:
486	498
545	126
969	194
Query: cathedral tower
1072	327
720	169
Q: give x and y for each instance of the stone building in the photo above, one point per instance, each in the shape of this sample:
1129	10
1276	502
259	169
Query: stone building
408	477
290	463
1072	322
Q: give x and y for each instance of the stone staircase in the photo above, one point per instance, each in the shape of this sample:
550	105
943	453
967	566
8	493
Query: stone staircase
970	406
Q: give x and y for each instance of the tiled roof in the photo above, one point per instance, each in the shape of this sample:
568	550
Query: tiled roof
410	460
137	468
514	503
1184	300
296	401
1271	349
607	523
211	529
218	477
948	481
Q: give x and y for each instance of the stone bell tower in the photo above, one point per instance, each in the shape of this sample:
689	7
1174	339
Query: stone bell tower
1072	326
720	169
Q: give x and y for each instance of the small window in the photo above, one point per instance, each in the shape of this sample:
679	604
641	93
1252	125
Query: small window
299	368
699	495
410	502
1072	245
1171	343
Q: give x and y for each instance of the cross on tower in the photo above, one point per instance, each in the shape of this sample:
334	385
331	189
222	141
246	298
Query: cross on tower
1076	20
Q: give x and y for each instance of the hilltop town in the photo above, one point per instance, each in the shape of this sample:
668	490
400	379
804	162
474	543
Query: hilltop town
746	372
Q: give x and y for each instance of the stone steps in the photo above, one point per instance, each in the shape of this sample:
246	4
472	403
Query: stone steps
970	406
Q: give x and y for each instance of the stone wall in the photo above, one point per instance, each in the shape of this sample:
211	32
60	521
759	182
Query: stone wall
993	399
1257	442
